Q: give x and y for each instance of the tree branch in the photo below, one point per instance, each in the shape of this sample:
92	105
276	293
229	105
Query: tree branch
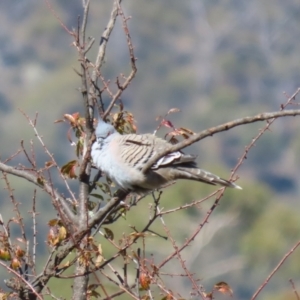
41	183
211	131
104	39
132	61
276	269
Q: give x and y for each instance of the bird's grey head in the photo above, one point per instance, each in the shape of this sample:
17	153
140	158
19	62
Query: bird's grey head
103	130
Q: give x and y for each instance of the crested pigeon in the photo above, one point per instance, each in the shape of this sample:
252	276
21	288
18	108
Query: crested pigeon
122	157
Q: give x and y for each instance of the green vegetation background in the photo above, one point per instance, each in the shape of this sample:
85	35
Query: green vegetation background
216	61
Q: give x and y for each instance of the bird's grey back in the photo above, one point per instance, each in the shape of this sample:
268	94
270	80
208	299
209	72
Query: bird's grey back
137	150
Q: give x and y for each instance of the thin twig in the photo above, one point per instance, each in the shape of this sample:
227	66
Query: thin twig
177	251
261	132
41	183
32	162
122	87
34	226
58	18
192	237
32	124
11	284
294	289
275	269
188	205
16	206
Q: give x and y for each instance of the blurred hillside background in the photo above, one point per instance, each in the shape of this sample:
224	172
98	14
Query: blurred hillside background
214	60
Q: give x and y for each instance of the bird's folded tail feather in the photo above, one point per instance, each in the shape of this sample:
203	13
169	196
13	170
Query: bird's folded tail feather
204	176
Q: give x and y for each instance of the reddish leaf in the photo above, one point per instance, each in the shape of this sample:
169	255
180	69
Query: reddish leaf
72	118
19	252
167	123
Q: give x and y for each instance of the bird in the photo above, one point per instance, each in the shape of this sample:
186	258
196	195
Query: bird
122	158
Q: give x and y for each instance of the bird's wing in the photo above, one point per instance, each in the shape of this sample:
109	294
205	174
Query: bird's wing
137	150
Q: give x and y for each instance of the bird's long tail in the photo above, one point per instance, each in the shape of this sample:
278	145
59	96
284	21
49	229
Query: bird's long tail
204	176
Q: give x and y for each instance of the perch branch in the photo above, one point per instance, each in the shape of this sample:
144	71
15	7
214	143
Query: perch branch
224	127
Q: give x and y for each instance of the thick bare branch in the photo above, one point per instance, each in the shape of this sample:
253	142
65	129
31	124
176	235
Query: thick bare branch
86	7
224	127
80	285
41	183
104	39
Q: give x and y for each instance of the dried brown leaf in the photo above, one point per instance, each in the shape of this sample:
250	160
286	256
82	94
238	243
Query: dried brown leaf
173	110
62	233
109	233
49	164
53	222
15	263
99	257
5	254
223	288
69	169
145	280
